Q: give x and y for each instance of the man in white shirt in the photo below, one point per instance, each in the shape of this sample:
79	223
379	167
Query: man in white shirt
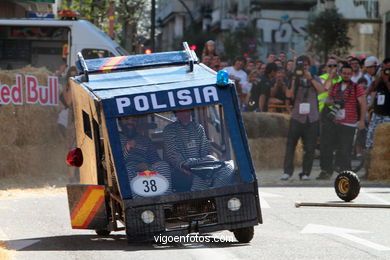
237	74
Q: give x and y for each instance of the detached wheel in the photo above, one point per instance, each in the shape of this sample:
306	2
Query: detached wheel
244	235
347	185
102	232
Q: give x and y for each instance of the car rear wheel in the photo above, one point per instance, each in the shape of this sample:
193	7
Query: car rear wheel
244	235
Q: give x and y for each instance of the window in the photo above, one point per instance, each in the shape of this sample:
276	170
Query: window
87	124
96	53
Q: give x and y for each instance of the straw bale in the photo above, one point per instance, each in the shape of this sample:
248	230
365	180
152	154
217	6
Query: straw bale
266	124
8	121
268	153
9	163
30	141
380	154
41	160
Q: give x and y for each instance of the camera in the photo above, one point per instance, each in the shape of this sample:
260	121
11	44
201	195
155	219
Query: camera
339	104
299	69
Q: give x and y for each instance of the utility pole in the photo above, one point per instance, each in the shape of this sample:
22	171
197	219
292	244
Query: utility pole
111	20
153	25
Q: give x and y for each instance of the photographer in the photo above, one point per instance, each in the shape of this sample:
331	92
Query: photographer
344	118
381	105
305	118
261	89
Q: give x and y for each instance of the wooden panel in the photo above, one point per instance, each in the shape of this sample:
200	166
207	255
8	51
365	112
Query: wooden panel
84	102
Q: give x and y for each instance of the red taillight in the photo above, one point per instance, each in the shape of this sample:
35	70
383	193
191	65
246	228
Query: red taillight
75	157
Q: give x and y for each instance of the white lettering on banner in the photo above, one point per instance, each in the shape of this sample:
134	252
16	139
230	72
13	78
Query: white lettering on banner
275	31
121	103
141	103
184	97
35	94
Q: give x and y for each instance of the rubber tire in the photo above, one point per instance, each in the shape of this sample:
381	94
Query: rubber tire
347	185
244	235
102	232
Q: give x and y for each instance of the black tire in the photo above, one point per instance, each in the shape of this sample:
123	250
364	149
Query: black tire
244	235
102	232
347	185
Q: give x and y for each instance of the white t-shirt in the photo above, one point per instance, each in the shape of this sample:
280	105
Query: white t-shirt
355	79
242	76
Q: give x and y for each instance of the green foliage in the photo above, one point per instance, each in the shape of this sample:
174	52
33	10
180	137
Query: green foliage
131	17
94	11
328	33
194	35
236	42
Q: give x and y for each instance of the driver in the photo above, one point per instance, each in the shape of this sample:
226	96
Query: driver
140	154
185	143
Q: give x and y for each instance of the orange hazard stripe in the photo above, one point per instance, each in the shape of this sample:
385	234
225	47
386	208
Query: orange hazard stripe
87	207
112	63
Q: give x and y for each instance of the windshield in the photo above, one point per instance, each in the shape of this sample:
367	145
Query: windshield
180	151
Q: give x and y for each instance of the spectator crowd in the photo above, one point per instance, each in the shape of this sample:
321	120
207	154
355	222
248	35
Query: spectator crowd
336	103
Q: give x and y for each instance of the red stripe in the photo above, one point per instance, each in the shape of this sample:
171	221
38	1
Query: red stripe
104	64
119	62
93	212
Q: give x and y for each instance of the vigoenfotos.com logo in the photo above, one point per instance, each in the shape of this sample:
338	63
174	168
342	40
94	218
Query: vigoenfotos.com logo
193	239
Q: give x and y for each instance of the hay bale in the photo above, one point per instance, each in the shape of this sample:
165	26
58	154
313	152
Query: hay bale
30	141
10	163
268	153
8	133
43	160
380	154
266	124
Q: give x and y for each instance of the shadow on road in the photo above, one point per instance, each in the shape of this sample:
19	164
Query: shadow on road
97	243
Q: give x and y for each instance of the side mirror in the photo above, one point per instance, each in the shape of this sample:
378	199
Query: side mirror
75	157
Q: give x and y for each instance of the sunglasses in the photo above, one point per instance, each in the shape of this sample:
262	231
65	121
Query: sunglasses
332	65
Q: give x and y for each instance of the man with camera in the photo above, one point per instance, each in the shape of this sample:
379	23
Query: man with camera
348	110
304	122
381	105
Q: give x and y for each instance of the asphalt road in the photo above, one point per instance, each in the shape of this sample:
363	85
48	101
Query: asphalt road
36	226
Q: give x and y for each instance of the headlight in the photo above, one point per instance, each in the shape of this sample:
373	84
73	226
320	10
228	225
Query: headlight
234	204
147	216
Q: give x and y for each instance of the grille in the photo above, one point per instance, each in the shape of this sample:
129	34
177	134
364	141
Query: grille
195	212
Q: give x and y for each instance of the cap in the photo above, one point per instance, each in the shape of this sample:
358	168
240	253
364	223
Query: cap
371	61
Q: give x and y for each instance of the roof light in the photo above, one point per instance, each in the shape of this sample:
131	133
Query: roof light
148	51
68	14
222	78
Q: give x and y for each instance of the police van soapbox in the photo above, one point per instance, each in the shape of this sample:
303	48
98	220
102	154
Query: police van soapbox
162	149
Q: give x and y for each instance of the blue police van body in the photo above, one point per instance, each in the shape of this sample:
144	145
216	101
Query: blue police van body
151	89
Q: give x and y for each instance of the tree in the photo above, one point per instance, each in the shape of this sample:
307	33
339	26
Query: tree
236	42
132	18
328	33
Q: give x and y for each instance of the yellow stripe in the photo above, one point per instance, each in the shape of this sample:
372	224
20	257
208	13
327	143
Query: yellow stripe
87	207
111	63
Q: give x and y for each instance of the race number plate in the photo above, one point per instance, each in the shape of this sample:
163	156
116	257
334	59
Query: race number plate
304	108
149	183
381	99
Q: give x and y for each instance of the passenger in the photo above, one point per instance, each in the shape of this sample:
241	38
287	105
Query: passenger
185	143
140	154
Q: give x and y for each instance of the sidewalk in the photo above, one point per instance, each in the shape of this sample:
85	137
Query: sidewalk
272	177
